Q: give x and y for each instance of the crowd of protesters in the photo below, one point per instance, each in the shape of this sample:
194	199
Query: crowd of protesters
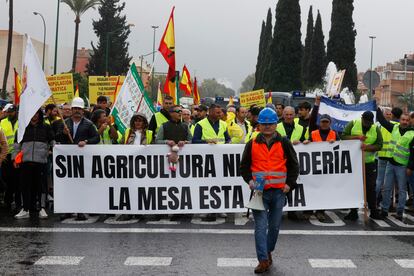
26	167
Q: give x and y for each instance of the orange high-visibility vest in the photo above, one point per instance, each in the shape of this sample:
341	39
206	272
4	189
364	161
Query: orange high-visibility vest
316	136
271	163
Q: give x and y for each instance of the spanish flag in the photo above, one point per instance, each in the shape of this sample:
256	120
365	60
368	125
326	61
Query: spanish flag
185	83
269	99
159	95
17	87
196	95
77	91
167	49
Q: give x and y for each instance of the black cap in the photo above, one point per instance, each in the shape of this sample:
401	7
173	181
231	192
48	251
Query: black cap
325	117
201	107
368	116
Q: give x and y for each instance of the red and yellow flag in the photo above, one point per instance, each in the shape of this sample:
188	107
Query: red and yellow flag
76	91
269	99
17	87
185	83
196	95
159	95
167	49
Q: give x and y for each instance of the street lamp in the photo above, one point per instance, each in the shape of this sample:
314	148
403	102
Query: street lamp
370	73
153	59
141	57
44	38
56	38
108	35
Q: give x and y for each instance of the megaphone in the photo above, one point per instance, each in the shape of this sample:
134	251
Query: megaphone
256	202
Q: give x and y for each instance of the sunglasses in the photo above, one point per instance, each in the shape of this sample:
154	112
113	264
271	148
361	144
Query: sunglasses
177	111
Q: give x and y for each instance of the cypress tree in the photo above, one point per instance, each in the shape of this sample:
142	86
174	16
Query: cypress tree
307	49
264	45
111	27
341	44
286	49
317	62
259	71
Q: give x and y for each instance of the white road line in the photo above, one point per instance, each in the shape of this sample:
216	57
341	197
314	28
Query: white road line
201	231
59	260
337	222
148	261
236	262
405	263
331	263
164	222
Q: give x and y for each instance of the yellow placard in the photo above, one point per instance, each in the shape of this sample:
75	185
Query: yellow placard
253	97
104	86
62	88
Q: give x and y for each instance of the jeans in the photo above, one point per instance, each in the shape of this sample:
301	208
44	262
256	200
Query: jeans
267	223
382	164
393	174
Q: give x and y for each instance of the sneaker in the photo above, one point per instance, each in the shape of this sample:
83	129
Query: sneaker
399	216
43	214
22	214
352	215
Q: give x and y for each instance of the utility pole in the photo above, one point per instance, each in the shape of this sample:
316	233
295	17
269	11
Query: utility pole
56	38
153	60
370	92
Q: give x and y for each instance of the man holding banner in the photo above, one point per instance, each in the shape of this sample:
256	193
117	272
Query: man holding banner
370	135
272	158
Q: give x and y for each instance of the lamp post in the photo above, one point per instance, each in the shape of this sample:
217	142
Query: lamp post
141	57
370	74
44	38
108	35
56	38
153	59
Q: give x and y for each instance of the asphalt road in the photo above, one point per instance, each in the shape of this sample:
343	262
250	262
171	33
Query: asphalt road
191	245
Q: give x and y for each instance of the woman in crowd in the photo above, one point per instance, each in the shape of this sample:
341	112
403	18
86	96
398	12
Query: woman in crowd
138	133
31	156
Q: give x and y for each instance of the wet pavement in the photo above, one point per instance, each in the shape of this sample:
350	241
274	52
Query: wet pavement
194	245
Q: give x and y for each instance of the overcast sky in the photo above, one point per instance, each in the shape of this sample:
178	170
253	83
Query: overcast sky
219	38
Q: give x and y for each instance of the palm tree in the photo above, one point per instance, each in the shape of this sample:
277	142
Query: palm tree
79	7
9	49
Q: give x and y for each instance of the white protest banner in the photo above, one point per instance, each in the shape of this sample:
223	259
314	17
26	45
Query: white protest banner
36	90
127	179
131	98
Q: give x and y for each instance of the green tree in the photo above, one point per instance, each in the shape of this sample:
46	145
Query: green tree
8	54
286	49
262	58
211	88
267	55
79	7
317	62
307	49
341	43
112	30
82	81
247	84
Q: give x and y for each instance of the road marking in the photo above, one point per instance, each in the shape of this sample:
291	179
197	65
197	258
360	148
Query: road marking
400	223
163	222
405	263
113	220
215	222
331	263
148	261
201	231
236	262
337	222
59	260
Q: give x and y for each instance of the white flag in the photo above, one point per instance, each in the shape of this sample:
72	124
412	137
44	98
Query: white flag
36	90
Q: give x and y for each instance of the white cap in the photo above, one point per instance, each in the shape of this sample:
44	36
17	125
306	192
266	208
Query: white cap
78	102
7	106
